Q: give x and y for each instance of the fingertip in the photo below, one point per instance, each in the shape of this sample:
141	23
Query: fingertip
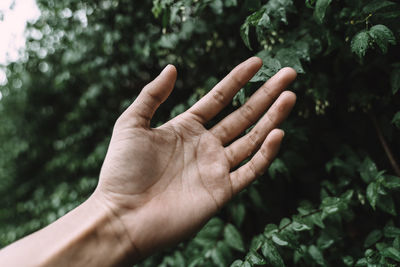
290	72
257	60
290	95
170	69
277	134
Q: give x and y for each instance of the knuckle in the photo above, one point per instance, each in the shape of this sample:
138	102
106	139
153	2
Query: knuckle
270	118
230	156
265	155
252	168
223	132
247	113
266	90
253	138
219	97
236	81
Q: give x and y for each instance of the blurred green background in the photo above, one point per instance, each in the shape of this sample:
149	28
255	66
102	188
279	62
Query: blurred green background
330	198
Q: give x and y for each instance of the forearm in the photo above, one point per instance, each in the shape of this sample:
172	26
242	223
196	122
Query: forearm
89	235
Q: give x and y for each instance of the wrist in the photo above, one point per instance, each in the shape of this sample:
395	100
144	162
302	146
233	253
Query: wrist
113	232
91	236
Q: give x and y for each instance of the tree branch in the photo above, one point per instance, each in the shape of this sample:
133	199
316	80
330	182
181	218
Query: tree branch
385	146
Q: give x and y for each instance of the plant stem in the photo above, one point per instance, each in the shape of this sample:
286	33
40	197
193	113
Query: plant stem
385	146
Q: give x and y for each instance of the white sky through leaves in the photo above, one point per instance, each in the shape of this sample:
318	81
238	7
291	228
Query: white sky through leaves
14	14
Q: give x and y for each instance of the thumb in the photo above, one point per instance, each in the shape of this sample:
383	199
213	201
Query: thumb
151	97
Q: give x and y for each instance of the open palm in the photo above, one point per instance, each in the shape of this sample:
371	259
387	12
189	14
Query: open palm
164	183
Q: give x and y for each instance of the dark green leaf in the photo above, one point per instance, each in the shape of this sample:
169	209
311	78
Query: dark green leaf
316	254
269	68
396	242
361	262
277	166
377	5
238	213
392	253
284	222
271	254
254	258
395	84
372	194
396	120
210	232
372	238
368	170
391	231
320	10
348	260
317	219
221	254
386	204
278	240
237	263
233	237
230	3
360	43
299	226
382	36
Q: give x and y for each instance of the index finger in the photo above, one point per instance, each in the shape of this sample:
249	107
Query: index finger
220	96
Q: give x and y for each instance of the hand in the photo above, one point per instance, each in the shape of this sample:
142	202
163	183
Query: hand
163	184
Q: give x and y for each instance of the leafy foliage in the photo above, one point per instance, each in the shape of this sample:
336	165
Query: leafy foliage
330	198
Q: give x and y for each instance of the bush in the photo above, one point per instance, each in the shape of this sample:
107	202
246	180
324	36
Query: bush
331	196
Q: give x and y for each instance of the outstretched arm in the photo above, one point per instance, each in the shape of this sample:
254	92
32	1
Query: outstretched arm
158	186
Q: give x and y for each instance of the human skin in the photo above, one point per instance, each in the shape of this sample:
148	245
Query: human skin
158	186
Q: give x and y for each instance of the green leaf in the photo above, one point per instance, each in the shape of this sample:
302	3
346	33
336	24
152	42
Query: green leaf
372	238
244	33
381	246
395	83
396	242
317	219
320	10
277	166
382	36
254	258
230	3
217	7
233	238
210	232
270	229
284	222
256	198
238	213
288	57
386	204
361	262
221	254
396	122
372	256
368	170
391	231
278	240
269	68
376	5
316	254
348	260
372	194
392	253
251	20
298	226
271	254
237	263
330	205
360	43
